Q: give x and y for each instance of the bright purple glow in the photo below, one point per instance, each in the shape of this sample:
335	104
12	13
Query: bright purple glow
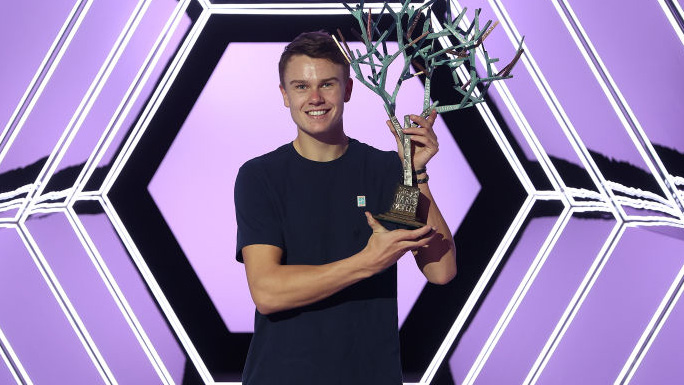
543	306
26	33
664	359
5	375
645	82
133	287
91	299
118	82
69	83
474	337
208	152
617	310
34	324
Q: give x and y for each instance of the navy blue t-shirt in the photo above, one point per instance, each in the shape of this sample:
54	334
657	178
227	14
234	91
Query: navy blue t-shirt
314	212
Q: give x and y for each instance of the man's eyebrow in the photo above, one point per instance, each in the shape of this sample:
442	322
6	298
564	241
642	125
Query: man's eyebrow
334	78
330	79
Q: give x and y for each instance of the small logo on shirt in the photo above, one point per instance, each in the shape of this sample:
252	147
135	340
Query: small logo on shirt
361	201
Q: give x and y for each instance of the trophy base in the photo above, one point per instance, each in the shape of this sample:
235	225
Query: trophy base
404	208
402	220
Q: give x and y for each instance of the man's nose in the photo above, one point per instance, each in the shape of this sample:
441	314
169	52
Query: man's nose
316	97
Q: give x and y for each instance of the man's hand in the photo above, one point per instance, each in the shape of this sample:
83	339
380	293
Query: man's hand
424	143
385	247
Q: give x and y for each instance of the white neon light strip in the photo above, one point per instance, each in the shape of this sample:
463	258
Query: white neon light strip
674	293
647	205
479	288
516	113
21	190
555	106
155	100
518	296
636	192
295	8
66	306
672	16
43	74
14	203
12	361
575	303
156	291
118	296
679	181
88	100
582	193
619	103
129	99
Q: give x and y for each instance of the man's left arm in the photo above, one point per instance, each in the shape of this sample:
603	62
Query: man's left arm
437	260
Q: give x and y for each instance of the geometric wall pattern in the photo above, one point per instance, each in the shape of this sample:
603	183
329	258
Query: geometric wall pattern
570	230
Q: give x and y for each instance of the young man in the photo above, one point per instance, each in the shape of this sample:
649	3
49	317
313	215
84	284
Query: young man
321	270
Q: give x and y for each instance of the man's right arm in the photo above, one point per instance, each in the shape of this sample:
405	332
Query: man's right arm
275	287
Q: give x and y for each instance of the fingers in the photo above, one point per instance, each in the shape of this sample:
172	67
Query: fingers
374	224
425	122
426	235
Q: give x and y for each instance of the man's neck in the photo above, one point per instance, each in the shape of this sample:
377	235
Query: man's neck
321	149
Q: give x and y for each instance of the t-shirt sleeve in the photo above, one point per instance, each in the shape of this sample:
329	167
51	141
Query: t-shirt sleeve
257	219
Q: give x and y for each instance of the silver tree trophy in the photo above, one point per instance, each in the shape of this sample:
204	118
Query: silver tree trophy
418	36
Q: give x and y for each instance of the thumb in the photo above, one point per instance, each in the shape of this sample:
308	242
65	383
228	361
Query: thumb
392	130
374	224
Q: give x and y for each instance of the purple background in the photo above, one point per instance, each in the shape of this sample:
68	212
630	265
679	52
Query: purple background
637	45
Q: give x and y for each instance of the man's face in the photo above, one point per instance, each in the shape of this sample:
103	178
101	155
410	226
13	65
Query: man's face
315	91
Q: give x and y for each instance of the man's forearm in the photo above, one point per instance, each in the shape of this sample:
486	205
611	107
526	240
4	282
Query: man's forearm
437	260
283	287
275	287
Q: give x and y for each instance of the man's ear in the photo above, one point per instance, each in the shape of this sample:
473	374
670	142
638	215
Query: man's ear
286	100
348	89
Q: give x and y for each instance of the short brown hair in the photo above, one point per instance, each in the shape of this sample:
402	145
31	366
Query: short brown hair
318	45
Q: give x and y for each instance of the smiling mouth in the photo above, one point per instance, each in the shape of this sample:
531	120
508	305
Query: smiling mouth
317	112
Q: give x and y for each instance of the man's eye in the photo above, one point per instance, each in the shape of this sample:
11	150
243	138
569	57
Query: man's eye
327	85
300	87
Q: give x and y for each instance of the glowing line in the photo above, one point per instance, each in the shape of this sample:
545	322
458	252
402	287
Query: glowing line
21	190
636	192
673	11
43	76
88	100
678	180
479	288
617	101
118	296
65	304
14	203
156	291
518	296
584	193
575	303
129	99
549	195
517	114
648	205
591	209
293	9
12	361
155	100
555	106
656	323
